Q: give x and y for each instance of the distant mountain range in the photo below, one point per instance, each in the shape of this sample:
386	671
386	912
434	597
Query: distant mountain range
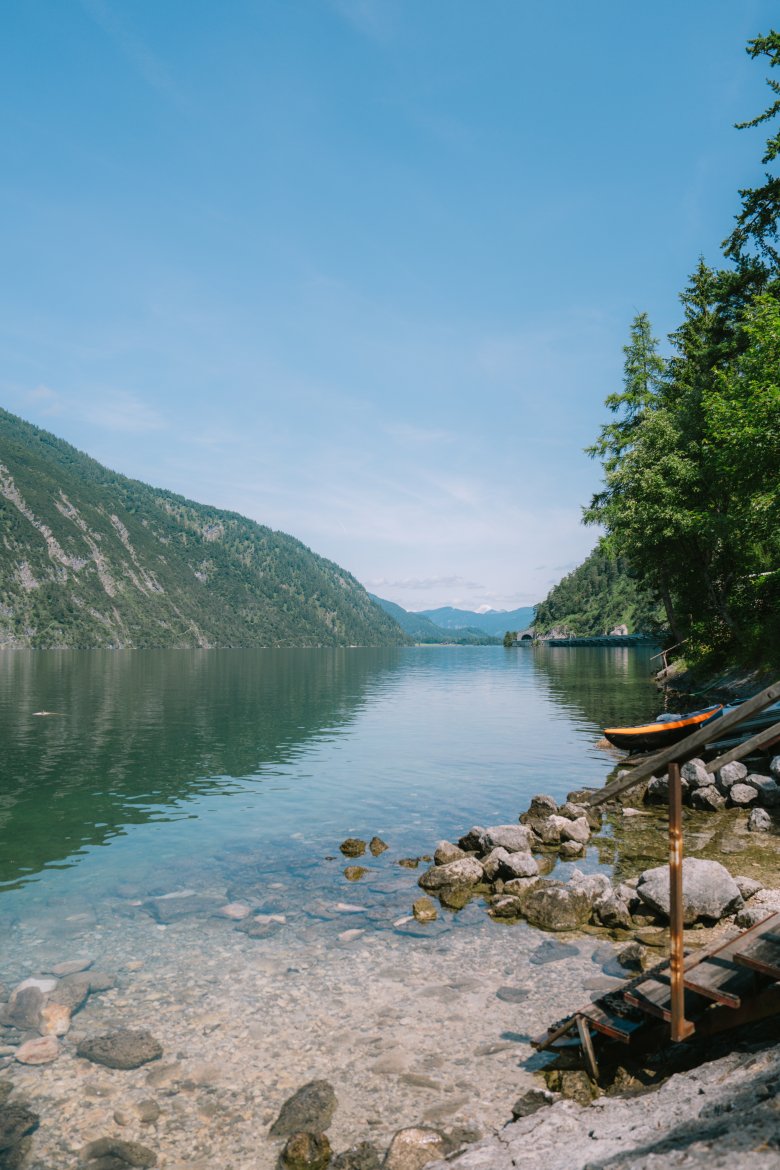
89	558
457	625
494	621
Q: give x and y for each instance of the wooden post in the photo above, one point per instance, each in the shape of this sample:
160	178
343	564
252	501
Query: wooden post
681	1028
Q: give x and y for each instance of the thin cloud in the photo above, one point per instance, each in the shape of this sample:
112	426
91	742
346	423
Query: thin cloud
121	411
371	18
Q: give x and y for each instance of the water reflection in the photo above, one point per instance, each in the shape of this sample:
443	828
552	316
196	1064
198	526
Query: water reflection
604	686
134	735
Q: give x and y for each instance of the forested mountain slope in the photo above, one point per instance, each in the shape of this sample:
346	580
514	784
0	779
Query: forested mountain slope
89	558
595	598
422	629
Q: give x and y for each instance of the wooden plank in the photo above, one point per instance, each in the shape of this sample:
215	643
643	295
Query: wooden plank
762	951
655	997
763	738
687	748
720	979
616	1027
587	1048
554	1033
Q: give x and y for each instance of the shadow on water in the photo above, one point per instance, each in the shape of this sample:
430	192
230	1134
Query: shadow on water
134	735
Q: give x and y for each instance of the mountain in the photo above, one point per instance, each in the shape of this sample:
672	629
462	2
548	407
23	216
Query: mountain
422	629
597	596
495	621
89	558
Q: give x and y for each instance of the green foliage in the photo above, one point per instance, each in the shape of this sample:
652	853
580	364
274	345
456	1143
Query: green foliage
90	558
595	598
757	223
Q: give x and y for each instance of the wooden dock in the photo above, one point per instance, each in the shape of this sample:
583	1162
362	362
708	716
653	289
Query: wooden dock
727	984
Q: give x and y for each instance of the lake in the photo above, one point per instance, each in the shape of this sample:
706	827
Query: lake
234	775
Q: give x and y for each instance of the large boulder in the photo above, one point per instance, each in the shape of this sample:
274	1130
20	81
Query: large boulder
491	865
767	787
709	890
518	865
552	905
513	838
730	774
695	775
455	875
707	799
447	852
742	795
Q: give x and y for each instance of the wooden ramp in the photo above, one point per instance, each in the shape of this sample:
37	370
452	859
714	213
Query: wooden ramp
727	984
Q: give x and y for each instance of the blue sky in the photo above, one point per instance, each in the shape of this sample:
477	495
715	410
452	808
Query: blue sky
362	269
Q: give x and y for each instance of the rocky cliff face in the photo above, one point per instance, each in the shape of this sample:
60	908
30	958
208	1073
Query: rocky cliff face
89	558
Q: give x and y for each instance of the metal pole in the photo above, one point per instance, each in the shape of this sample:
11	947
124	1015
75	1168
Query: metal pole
680	1026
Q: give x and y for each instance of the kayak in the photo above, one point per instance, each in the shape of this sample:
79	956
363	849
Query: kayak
666	730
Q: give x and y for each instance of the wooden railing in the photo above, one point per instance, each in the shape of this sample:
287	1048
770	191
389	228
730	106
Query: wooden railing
670	760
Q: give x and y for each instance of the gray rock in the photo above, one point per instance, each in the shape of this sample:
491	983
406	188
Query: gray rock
411	1148
310	1109
695	774
748	887
171	907
519	887
595	885
774	767
729	775
634	957
612	911
72	991
571	850
709	890
541	807
491	865
548	829
513	838
518	865
759	821
446	852
742	795
305	1151
121	1152
552	905
767	787
504	906
707	799
751	916
16	1121
472	841
24	1008
531	1102
121	1049
578	831
363	1156
456	875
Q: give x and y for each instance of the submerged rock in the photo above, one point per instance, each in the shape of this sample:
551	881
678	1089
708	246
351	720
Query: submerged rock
447	852
122	1049
424	910
353	873
305	1151
110	1151
411	1148
42	1050
309	1110
363	1156
376	846
353	847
